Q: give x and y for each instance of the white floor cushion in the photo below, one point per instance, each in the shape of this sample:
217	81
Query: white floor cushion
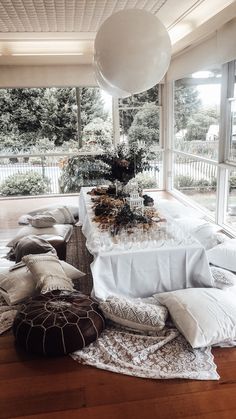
224	255
204	316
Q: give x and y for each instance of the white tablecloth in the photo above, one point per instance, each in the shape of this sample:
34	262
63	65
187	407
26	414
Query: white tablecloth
141	272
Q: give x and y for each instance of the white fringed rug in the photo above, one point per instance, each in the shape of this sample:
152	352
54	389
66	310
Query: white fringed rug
167	355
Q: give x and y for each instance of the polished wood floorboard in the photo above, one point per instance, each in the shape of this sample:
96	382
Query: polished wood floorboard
53	388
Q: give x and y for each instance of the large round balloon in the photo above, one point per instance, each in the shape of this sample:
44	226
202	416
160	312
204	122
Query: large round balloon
111	90
132	50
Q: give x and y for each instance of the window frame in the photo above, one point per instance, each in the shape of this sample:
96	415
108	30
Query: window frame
224	164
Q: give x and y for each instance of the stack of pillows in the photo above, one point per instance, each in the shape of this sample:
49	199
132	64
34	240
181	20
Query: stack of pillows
34	274
37	268
205	316
53	225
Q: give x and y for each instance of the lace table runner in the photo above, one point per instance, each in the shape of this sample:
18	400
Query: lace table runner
167	355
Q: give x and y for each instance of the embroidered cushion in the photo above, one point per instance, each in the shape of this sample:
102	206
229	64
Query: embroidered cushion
205	316
223	278
134	314
58	323
17	283
48	272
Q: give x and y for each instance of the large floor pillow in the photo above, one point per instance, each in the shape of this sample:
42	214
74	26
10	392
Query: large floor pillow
58	323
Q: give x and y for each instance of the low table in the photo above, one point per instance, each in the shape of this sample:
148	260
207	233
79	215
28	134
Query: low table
141	272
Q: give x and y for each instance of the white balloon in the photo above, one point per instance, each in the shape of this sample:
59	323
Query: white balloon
132	50
104	85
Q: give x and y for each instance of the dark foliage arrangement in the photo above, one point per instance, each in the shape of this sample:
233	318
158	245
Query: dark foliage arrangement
126	161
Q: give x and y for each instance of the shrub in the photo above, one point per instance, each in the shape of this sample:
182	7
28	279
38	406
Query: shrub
30	183
81	171
145	181
184	181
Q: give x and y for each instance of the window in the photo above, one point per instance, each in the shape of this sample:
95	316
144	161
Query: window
204	164
197	112
140	117
196	179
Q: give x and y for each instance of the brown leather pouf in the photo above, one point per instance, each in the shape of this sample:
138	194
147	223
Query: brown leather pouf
58	323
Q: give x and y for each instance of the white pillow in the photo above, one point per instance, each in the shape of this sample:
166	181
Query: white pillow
42	221
223	278
73	208
62	215
18	284
224	255
177	210
207	235
205	316
188	224
134	313
48	272
63	230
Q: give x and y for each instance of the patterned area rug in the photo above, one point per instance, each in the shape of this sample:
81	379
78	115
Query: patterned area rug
167	355
7	315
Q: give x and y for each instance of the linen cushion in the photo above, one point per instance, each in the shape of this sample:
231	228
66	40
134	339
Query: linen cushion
224	255
48	272
207	235
73	209
42	221
204	232
58	323
30	244
24	219
134	313
177	210
223	278
205	316
62	215
62	230
17	283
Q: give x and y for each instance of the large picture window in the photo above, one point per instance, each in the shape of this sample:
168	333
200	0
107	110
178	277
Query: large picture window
197	113
204	143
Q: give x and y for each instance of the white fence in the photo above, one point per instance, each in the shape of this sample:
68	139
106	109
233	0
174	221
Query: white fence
50	167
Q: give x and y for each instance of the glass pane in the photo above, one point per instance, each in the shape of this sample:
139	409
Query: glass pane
139	117
197	180
196	112
230	218
232	148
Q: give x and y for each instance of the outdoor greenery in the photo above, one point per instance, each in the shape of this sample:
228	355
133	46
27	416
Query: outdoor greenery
188	183
27	115
65	119
145	126
190	117
120	163
30	183
131	105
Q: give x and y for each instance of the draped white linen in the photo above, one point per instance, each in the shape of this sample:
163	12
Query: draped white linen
141	272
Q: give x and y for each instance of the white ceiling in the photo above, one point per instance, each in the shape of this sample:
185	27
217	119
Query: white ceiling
63	31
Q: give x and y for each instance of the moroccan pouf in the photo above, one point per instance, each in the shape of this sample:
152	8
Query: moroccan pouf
58	323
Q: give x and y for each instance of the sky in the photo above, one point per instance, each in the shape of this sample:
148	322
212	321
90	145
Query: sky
209	94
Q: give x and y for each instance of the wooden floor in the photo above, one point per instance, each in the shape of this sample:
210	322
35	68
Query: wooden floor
61	388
